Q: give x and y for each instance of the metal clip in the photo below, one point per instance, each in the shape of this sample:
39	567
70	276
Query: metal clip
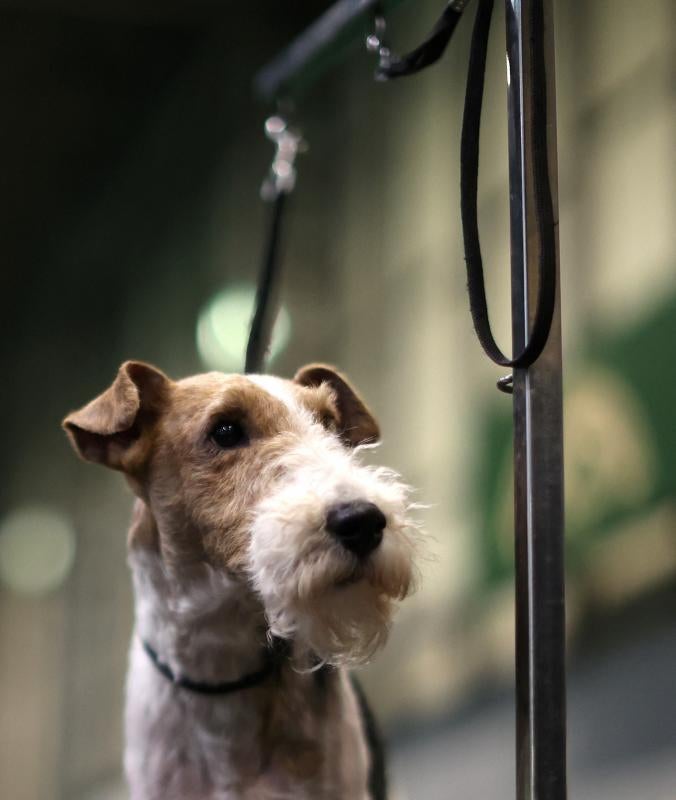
376	42
289	142
506	384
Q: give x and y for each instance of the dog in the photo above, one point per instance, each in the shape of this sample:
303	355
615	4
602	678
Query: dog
266	561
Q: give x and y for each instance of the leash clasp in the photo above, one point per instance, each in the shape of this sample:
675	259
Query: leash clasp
281	178
377	43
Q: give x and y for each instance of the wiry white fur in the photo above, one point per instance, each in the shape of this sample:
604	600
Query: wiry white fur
314	591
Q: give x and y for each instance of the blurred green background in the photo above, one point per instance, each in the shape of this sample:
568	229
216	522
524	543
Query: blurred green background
132	154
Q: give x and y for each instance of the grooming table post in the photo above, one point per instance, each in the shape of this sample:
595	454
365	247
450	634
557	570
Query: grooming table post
538	447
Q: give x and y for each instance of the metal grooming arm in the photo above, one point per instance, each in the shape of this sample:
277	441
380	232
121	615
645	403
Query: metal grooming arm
320	46
537	394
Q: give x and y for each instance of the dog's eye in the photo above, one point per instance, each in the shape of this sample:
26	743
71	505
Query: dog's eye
228	434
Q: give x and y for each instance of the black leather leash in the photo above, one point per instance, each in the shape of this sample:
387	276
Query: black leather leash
428	53
266	304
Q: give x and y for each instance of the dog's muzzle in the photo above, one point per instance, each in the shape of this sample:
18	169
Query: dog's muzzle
358	526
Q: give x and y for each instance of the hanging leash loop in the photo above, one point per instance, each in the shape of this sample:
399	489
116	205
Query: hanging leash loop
469	173
426	54
278	184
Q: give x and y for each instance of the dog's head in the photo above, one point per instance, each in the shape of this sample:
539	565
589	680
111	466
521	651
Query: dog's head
259	477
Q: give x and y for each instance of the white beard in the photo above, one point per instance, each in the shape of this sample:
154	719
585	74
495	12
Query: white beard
314	591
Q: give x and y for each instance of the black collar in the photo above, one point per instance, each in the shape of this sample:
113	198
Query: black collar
273	655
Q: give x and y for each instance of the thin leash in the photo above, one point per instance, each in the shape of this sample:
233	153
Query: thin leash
279	183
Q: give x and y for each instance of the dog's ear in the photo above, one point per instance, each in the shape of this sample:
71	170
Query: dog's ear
356	424
109	430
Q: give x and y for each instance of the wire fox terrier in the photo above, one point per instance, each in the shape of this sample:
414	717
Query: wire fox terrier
266	559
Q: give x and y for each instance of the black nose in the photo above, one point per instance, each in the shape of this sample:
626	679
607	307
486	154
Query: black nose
357	525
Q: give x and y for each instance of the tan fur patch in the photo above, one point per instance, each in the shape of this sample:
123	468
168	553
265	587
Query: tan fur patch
198	496
201	494
143	530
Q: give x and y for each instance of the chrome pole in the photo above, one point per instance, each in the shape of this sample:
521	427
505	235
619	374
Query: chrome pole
538	442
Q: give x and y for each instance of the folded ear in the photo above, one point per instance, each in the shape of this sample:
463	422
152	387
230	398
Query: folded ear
356	424
109	430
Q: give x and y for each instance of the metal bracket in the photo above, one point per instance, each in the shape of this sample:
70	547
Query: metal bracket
506	384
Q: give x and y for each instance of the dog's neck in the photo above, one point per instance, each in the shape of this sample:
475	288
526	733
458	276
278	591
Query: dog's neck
277	740
201	623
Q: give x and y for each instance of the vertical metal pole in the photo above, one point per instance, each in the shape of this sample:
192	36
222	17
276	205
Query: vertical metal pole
538	447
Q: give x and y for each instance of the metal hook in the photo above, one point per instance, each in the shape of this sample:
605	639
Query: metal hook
376	43
289	142
506	384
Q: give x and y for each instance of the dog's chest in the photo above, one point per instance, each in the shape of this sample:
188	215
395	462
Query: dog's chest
184	746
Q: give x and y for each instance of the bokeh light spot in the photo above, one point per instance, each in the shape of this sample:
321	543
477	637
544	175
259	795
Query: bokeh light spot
223	329
37	549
